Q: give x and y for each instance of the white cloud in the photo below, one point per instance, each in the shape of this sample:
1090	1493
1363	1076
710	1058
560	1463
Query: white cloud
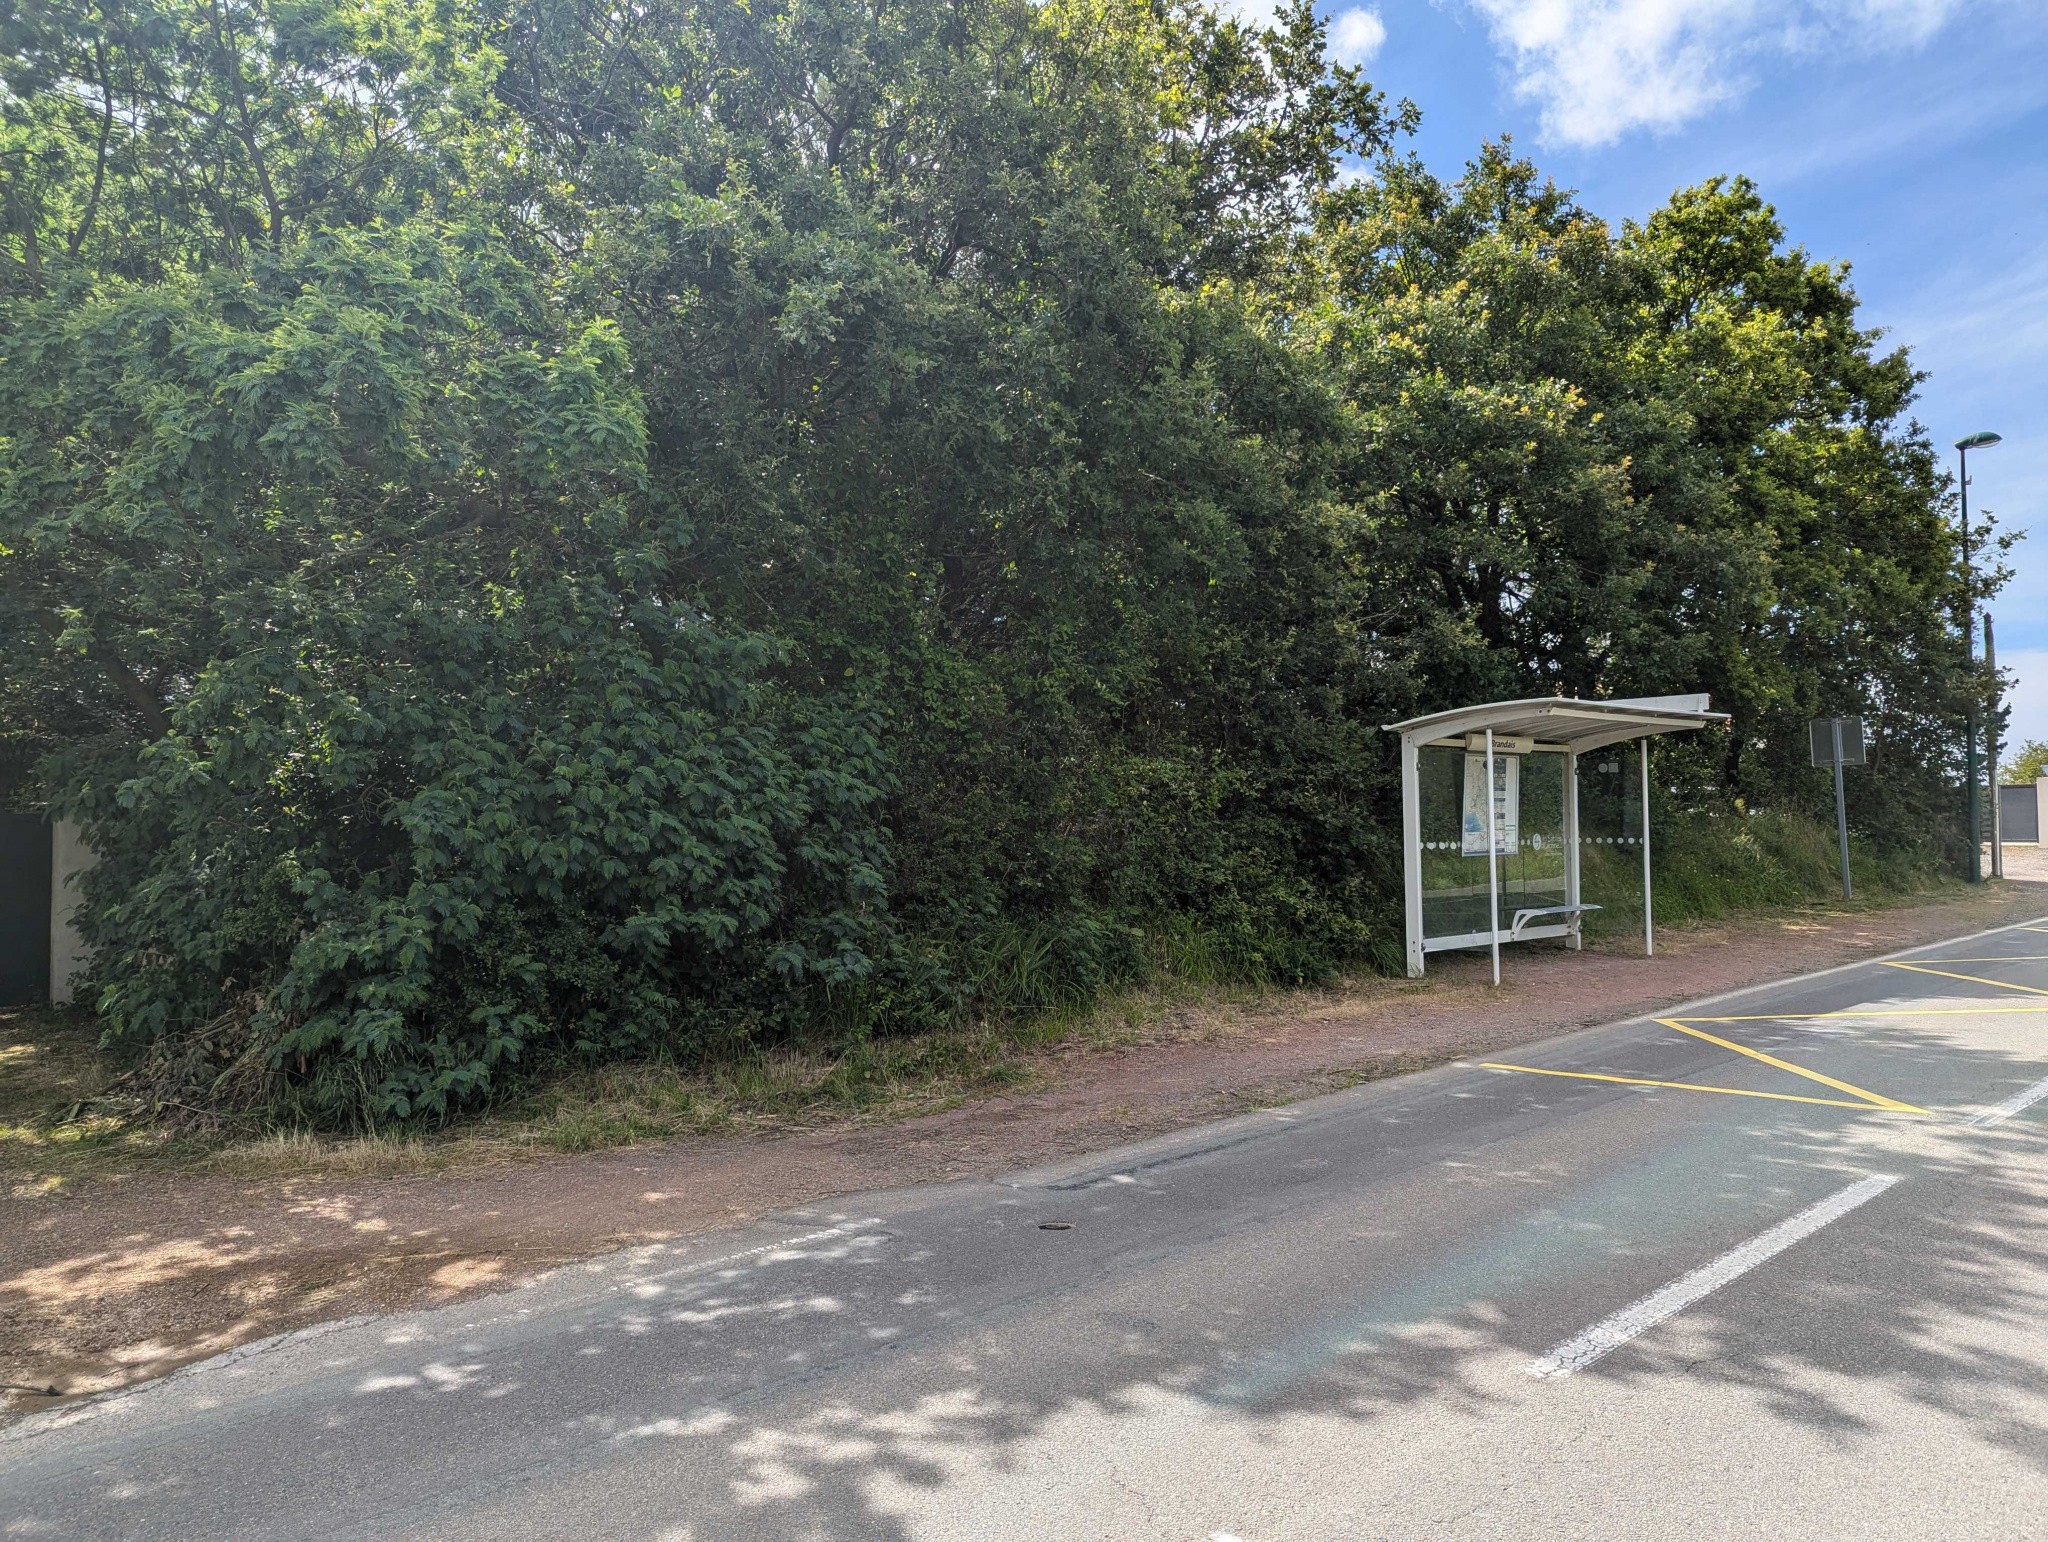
1911	22
1600	68
1356	35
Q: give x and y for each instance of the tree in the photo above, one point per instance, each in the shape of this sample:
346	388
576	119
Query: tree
2027	762
328	582
559	530
1659	459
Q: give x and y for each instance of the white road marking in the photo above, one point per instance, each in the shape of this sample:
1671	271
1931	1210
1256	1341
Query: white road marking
2018	1103
1576	1353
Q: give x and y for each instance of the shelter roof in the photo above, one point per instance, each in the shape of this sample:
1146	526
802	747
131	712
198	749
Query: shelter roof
1565	720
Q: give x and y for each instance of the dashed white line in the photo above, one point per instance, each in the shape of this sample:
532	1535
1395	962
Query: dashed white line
1610	1333
2018	1103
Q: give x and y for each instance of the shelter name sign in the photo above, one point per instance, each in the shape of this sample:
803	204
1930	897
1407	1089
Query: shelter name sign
1507	804
1503	744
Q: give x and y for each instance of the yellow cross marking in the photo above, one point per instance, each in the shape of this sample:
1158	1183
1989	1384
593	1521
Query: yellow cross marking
1988	1008
1644	1081
1871	1101
1877	1099
1974	979
2003	958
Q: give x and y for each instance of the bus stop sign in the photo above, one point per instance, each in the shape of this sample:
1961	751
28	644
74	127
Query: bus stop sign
1821	732
1838	742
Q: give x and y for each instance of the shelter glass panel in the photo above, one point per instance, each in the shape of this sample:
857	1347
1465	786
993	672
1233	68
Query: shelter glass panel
1529	837
1453	884
1532	877
1611	839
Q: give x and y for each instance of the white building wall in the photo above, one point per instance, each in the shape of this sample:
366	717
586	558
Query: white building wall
68	856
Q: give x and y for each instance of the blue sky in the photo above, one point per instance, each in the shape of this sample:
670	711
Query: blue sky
1908	137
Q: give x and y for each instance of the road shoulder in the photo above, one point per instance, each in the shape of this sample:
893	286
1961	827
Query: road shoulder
128	1280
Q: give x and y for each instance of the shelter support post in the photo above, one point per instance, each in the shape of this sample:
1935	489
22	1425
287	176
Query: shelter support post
1411	849
1649	933
1574	939
1492	863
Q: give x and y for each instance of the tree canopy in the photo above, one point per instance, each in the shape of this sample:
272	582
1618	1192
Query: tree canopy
2026	762
560	529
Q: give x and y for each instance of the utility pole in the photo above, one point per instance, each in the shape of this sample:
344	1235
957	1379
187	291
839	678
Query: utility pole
1977	441
1991	755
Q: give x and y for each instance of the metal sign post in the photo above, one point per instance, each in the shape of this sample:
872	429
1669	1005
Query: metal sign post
1492	863
1838	742
1841	811
1649	936
1991	753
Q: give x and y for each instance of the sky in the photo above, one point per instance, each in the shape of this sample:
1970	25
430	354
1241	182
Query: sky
1906	137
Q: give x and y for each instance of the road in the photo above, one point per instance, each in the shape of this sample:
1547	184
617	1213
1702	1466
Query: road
1774	1265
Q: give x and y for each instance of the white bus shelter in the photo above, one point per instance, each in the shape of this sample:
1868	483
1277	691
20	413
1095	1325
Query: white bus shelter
1481	870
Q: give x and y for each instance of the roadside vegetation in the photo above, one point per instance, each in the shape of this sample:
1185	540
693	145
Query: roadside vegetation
72	1109
2026	763
623	569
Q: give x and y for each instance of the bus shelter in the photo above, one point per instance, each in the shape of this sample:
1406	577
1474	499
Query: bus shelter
1480	870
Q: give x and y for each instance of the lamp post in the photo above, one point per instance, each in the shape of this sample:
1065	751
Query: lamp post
1977	441
1991	752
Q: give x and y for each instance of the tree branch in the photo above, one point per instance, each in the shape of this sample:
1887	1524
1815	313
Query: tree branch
99	167
148	706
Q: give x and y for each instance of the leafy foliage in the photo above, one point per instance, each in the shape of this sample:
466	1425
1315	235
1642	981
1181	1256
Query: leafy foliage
331	571
558	530
2028	762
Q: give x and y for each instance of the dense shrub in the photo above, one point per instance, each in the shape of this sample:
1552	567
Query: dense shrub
542	530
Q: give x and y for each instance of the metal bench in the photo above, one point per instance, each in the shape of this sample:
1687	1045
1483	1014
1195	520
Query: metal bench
1524	917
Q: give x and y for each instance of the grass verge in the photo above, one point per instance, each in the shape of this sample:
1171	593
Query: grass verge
51	1068
53	1140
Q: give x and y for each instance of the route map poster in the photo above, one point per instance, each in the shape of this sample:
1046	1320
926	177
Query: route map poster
1507	805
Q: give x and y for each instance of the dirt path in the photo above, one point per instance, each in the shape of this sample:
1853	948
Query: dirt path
132	1277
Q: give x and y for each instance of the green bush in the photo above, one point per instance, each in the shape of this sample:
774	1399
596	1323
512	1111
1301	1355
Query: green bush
1710	864
530	534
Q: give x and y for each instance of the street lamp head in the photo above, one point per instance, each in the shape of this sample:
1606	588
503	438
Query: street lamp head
1980	441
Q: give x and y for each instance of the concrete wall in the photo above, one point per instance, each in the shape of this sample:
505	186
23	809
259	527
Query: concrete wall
2022	811
68	856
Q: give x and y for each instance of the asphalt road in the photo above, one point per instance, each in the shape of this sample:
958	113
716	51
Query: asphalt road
1802	1295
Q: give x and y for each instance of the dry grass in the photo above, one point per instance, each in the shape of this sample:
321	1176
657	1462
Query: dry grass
51	1068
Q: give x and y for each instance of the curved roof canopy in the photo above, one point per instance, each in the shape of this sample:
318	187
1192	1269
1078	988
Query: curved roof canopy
1564	721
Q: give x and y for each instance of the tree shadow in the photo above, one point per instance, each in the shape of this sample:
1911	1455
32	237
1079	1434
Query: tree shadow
955	1355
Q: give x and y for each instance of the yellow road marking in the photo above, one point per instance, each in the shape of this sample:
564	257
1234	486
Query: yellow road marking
2003	958
1988	1008
1644	1081
1974	979
1876	1098
1865	1098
